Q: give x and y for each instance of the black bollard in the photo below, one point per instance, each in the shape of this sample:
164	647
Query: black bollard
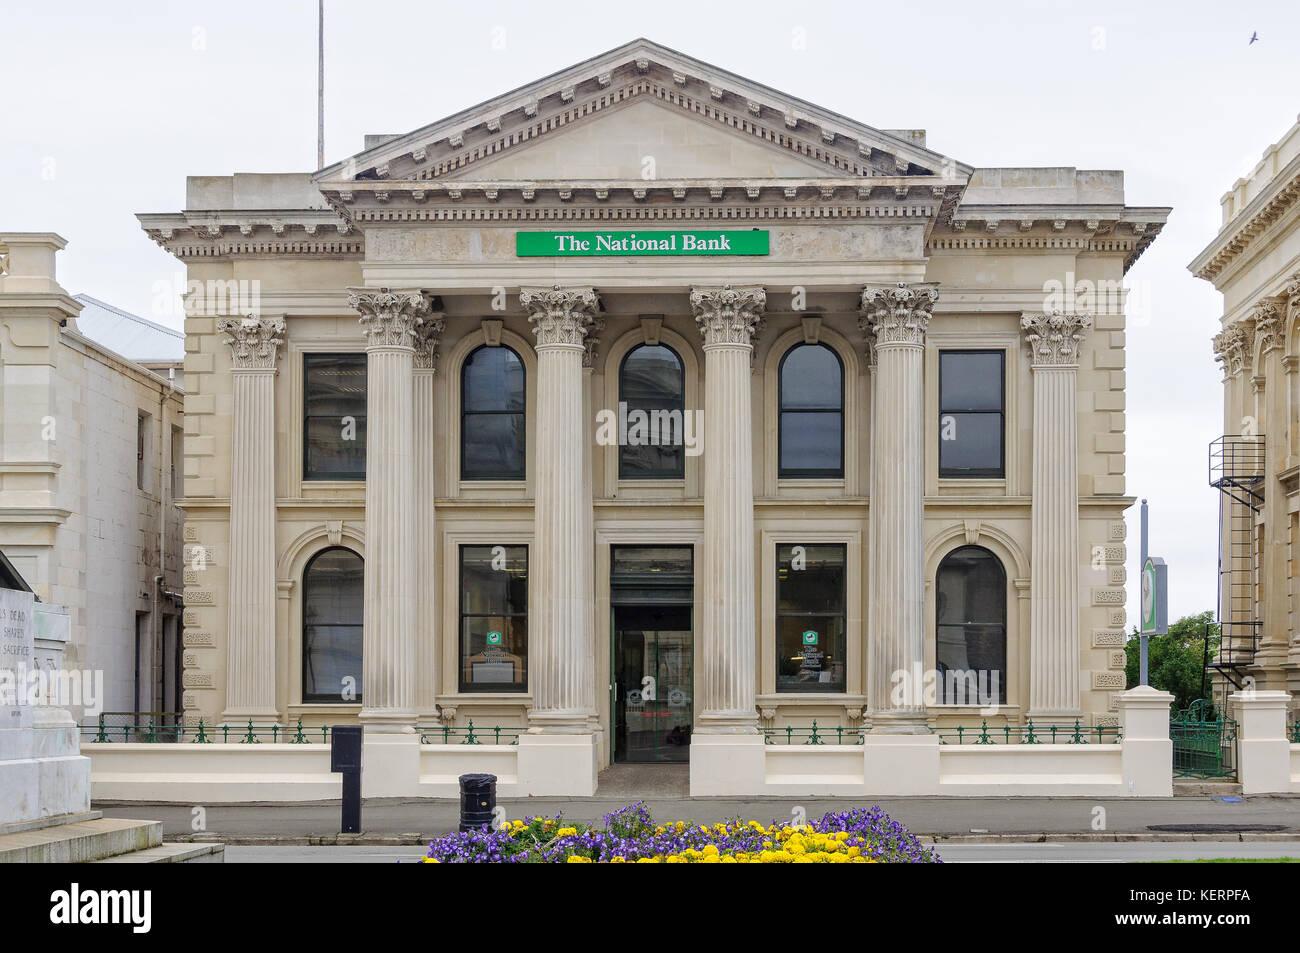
478	800
345	757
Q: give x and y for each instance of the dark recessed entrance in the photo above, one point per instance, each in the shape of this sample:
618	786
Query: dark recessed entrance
653	703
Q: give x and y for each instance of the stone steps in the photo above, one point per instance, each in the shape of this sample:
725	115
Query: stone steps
80	841
172	853
1207	789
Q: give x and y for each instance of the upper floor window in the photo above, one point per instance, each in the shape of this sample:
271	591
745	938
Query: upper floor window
334	416
651	393
811	407
810	617
970	614
492	415
493	618
972	413
333	586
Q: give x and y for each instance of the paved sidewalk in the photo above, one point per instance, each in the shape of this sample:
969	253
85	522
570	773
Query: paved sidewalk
398	821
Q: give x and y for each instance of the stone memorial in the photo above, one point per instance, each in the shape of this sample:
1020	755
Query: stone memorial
43	777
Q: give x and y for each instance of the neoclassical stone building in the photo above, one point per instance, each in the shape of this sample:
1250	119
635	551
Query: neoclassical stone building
648	407
1255	262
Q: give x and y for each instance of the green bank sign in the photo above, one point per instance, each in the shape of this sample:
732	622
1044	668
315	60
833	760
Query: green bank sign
619	244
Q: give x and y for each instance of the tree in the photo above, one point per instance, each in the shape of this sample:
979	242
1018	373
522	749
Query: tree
1176	662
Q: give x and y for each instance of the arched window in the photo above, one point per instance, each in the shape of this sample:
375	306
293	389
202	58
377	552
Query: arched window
811	405
332	596
492	415
971	628
651	414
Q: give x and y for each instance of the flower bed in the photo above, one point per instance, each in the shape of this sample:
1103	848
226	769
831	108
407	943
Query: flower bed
630	835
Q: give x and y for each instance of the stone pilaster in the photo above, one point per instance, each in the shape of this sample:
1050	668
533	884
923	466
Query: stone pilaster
898	316
250	585
391	321
1053	340
562	648
728	319
427	656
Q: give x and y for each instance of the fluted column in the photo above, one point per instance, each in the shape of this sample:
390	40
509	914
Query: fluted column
390	321
591	347
898	316
1053	340
562	676
250	587
427	341
728	319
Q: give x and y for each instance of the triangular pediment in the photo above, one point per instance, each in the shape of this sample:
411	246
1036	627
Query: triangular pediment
601	118
644	139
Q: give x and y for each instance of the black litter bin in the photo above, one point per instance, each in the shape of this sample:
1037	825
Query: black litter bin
478	800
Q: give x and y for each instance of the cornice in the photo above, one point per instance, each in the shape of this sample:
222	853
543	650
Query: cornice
1241	231
1114	229
642	69
317	233
610	200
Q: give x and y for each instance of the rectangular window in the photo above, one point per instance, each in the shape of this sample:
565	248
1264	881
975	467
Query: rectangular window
972	413
810	626
142	451
334	416
178	463
494	618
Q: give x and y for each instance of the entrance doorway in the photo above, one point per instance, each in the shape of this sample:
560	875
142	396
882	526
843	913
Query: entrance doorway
653	703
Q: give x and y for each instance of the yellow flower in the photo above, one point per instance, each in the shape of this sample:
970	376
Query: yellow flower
575	859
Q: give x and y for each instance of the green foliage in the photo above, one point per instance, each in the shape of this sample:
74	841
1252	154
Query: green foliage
1175	662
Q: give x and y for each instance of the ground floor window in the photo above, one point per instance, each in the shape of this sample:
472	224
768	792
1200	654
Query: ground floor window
971	628
493	618
333	586
810	619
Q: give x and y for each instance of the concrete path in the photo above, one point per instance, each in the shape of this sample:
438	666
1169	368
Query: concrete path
930	816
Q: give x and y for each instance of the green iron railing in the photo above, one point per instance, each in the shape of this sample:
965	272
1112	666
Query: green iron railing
1293	732
468	735
812	735
150	728
1205	745
1030	734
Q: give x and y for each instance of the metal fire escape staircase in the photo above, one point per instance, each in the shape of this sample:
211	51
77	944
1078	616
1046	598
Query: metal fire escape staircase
1237	472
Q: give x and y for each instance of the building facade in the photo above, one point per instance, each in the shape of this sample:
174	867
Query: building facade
648	408
1255	262
90	444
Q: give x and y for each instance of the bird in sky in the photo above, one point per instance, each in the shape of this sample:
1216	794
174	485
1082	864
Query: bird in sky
1253	37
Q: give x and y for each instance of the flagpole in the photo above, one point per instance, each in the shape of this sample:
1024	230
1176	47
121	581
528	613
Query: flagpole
320	86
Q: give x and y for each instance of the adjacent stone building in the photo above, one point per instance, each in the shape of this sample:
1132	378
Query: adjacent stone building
90	445
1255	262
648	407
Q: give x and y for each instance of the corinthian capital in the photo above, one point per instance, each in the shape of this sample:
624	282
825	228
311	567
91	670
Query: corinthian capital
254	341
898	314
427	338
1270	327
1232	348
389	318
728	315
1054	337
560	316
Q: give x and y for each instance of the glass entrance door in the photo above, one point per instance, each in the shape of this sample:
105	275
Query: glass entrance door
653	688
653	653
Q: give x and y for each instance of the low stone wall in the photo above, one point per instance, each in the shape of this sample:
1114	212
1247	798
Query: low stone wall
189	773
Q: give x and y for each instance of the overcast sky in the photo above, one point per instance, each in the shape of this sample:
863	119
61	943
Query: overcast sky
108	106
